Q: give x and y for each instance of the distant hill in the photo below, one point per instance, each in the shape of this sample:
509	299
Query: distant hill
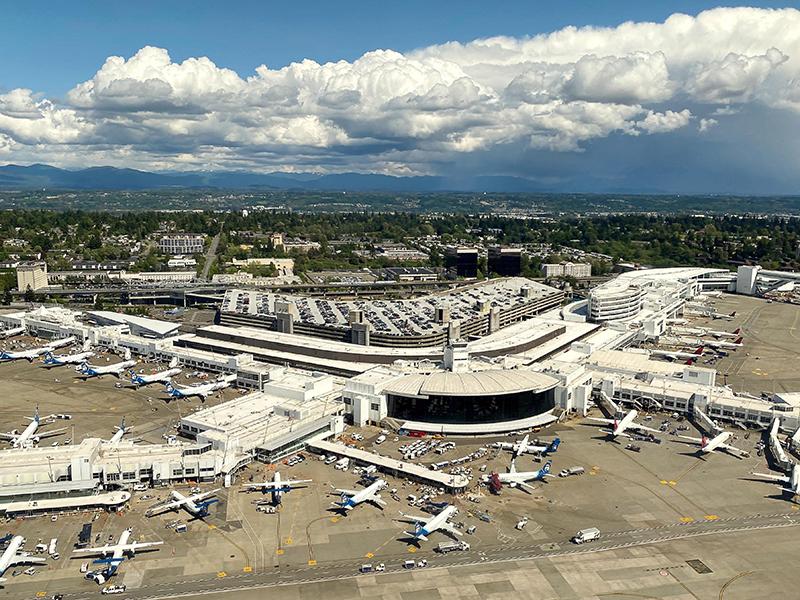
39	176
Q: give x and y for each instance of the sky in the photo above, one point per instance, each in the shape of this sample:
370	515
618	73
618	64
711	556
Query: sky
639	96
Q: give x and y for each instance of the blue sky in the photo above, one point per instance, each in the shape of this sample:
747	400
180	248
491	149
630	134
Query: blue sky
652	96
48	47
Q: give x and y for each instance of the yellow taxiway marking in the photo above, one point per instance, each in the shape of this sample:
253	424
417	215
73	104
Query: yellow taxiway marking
670	482
369	555
795	507
412	549
41	594
711	517
686	519
222	574
247	570
212	526
279	551
334	519
288	541
312	563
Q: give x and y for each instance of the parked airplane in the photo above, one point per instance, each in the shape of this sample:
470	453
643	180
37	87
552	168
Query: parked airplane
14	556
277	486
717	315
352	498
708	446
716	344
87	371
120	430
725	334
792	479
424	526
522	446
196	504
32	353
516	478
675	355
60	360
162	377
202	391
30	436
114	554
7	333
621	426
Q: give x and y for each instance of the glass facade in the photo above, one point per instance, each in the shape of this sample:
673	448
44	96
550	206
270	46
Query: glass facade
470	409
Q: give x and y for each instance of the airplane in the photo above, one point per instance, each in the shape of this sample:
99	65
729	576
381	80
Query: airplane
725	334
716	315
516	478
59	360
7	333
32	353
352	498
708	446
202	391
14	556
86	371
793	480
113	554
522	446
621	426
424	526
120	430
162	377
277	487
670	355
196	505
716	344
30	436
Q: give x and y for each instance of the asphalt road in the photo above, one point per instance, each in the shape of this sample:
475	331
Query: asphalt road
210	255
224	583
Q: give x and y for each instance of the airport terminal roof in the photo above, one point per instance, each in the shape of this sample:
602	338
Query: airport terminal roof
154	326
476	383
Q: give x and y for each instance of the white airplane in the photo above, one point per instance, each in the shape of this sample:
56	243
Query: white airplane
793	480
162	377
725	334
675	355
14	556
119	431
424	526
621	426
32	353
277	486
520	479
60	360
87	371
7	333
522	446
717	315
352	498
201	391
716	344
707	446
196	505
113	554
30	436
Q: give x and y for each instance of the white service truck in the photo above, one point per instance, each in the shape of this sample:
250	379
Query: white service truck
586	535
445	547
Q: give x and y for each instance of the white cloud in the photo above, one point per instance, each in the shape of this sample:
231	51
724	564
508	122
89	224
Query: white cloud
393	112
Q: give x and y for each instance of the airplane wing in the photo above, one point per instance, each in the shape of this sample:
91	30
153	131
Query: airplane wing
450	529
204	495
412	519
527	486
374	498
295	481
734	450
165	507
599	420
692	440
504	445
51	433
99	550
771	477
639	427
8	436
26	559
344	492
132	547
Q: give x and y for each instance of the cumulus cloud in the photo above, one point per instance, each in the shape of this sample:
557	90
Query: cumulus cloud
413	113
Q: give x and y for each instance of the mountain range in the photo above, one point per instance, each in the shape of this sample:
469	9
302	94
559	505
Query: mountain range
38	176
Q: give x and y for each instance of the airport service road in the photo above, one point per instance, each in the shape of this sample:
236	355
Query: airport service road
337	570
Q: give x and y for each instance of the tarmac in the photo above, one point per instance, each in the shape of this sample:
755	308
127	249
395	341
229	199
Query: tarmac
674	525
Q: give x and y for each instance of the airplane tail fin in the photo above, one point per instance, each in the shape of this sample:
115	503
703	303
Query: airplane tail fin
738	331
739	340
699	350
174	362
689	362
554	445
704	441
546	467
203	506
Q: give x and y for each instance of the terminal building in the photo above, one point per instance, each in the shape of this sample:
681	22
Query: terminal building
462	262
